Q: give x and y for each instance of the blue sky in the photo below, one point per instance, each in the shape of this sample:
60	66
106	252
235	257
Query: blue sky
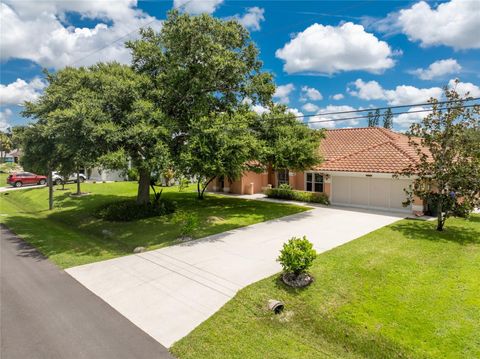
325	55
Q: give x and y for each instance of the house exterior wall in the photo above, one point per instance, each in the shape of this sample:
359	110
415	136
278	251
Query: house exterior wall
253	182
250	183
98	174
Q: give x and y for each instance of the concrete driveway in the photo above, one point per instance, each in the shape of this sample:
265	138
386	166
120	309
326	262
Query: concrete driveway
169	291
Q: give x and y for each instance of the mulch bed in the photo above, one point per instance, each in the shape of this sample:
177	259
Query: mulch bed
297	281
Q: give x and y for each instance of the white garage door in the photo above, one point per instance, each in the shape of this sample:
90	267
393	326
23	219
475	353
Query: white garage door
378	193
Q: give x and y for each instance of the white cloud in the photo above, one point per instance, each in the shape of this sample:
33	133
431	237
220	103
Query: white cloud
252	18
259	109
20	91
197	6
310	93
4	116
412	116
401	95
322	116
370	90
338	96
463	88
282	92
331	49
310	107
454	23
298	114
438	69
37	31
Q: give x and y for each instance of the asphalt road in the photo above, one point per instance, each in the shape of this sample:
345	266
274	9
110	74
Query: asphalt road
45	313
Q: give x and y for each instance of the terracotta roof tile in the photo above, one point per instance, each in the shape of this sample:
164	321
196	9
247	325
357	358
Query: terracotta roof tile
370	149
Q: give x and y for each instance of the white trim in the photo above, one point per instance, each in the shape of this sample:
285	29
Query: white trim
364	174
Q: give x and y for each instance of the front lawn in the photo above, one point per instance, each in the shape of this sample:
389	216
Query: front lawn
70	235
3	179
403	291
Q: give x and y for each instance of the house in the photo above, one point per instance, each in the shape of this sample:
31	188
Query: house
357	171
101	174
13	156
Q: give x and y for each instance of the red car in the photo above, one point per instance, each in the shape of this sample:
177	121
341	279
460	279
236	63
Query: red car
22	178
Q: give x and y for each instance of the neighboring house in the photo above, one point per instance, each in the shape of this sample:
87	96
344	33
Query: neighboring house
100	175
13	156
357	171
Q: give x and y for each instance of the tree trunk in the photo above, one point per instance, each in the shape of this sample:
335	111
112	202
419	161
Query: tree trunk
78	183
50	189
440	219
201	193
143	195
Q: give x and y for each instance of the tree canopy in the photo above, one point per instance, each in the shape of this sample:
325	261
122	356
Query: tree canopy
182	105
448	171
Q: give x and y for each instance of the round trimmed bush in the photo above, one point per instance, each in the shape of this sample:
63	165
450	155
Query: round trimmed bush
297	256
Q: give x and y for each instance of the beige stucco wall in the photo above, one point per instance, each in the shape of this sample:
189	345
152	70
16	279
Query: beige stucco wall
259	180
243	185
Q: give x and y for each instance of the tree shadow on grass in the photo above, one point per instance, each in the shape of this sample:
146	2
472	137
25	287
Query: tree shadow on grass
23	248
419	230
52	239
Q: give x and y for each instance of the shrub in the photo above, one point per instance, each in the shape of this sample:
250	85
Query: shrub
132	174
303	196
188	223
297	255
129	210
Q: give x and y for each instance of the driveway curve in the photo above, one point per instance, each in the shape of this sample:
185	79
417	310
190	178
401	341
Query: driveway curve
169	291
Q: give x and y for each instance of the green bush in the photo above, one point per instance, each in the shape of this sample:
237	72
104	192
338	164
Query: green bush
283	192
297	255
129	210
188	223
132	174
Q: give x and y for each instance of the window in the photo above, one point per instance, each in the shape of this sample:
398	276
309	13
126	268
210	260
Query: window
314	182
282	177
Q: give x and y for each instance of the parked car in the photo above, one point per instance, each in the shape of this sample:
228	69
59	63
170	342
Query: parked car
19	179
58	179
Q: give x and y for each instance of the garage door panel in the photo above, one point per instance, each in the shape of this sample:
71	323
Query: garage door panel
341	190
360	188
398	195
379	193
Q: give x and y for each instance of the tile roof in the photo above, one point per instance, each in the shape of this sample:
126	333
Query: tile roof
371	149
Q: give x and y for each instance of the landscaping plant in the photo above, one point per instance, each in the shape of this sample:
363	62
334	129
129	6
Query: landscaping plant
188	224
296	257
285	191
448	172
130	210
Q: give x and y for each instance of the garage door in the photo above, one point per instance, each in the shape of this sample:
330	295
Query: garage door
378	193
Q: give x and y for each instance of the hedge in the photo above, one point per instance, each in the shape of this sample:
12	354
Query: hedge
288	193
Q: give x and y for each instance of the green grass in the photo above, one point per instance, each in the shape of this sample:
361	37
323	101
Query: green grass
403	291
3	179
70	235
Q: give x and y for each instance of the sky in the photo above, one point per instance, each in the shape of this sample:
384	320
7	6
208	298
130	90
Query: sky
326	56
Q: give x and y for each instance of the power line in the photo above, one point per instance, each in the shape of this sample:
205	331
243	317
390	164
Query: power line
113	42
366	116
388	107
